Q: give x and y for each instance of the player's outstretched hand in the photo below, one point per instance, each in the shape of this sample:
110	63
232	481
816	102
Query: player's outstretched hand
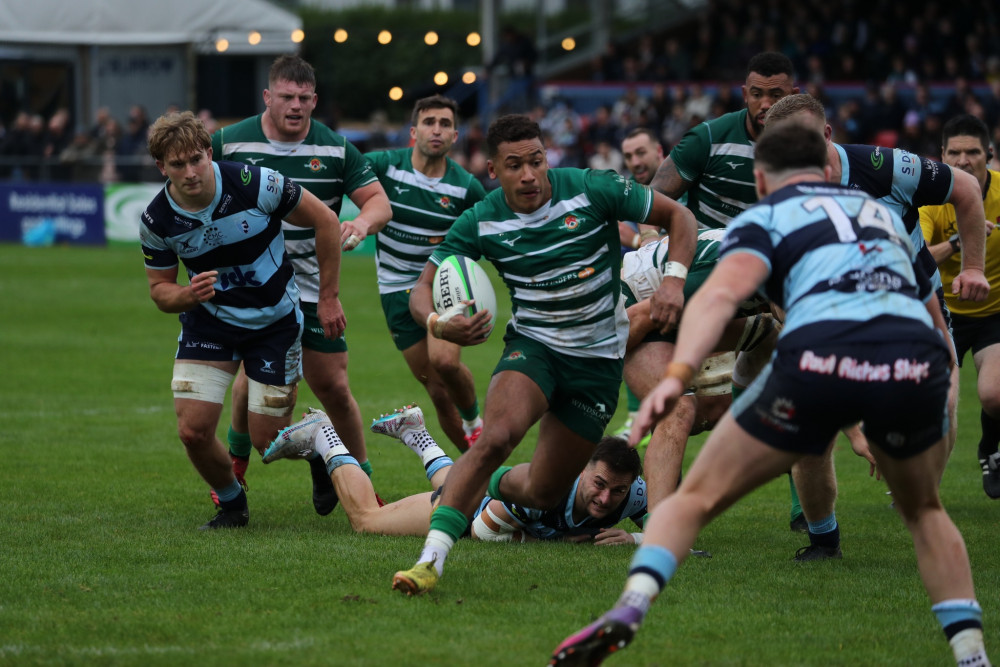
654	407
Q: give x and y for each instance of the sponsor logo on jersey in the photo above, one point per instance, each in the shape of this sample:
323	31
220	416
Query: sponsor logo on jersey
236	278
213	237
400	190
783	408
315	164
203	344
598	410
266	368
224	206
509	242
434	240
877	158
733	165
910	369
445	202
571	222
253	160
779	416
187	223
586	273
245	175
515	355
184	247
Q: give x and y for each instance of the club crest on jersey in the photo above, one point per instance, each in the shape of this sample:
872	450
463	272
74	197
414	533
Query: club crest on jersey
514	356
315	164
245	175
445	202
571	222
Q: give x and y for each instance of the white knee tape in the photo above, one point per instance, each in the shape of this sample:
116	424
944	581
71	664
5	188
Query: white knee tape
716	375
270	399
200	382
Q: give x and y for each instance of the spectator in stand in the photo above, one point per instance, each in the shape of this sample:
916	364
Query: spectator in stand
606	156
58	137
130	149
15	145
34	146
79	159
602	128
699	104
208	120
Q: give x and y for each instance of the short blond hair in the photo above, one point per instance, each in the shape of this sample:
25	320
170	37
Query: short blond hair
790	105
180	133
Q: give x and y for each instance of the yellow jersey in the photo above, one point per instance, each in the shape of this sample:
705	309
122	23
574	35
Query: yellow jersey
938	225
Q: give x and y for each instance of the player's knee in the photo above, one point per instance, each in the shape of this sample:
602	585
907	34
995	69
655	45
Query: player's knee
195	438
990	401
270	399
447	367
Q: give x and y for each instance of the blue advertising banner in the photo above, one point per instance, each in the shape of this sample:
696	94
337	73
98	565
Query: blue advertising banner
47	213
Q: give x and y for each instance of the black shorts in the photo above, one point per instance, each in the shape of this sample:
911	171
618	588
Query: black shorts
974	333
899	390
272	355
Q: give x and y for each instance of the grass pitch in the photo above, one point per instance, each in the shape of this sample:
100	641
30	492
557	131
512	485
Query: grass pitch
101	562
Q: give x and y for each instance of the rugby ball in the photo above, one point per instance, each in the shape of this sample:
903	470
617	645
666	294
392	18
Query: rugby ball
459	279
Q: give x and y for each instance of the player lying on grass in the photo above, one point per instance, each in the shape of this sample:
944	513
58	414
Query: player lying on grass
607	491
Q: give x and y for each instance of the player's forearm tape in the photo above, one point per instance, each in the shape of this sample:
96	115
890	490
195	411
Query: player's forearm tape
675	270
636	240
637	537
436	323
647	234
681	371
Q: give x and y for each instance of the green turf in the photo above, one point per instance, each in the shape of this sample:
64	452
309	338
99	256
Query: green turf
101	562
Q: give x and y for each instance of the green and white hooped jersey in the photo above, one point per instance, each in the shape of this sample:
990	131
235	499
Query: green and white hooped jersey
324	163
716	157
561	263
423	210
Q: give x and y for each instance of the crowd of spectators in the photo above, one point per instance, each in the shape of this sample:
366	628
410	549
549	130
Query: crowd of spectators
911	67
34	148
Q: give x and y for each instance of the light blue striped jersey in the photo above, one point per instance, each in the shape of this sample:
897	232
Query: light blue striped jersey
837	258
238	235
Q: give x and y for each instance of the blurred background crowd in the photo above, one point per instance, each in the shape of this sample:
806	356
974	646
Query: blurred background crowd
890	72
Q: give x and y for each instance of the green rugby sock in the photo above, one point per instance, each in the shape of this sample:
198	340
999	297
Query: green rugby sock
367	467
471	413
633	400
493	491
449	521
796	510
239	443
